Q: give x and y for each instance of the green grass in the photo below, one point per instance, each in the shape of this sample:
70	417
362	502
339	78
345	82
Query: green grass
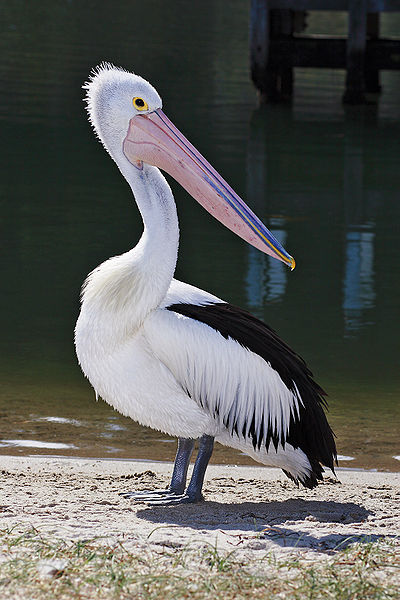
92	569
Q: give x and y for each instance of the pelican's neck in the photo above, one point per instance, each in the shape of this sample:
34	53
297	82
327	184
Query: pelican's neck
126	288
156	253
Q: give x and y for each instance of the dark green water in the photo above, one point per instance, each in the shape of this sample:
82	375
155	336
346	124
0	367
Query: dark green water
326	181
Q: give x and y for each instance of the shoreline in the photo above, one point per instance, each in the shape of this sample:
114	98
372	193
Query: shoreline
249	509
111	459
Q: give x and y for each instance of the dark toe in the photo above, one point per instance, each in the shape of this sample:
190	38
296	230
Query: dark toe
174	499
145	495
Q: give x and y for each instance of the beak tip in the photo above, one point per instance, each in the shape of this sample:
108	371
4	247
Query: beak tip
292	264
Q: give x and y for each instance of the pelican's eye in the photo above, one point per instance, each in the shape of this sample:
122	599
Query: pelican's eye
140	104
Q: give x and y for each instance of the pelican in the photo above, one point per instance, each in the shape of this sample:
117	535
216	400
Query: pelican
174	357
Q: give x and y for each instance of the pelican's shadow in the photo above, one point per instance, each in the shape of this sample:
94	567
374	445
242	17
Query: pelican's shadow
263	520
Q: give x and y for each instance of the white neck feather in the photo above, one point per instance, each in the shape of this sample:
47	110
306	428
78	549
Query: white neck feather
122	291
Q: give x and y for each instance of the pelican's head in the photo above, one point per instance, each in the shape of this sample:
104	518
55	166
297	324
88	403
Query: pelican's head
125	111
114	96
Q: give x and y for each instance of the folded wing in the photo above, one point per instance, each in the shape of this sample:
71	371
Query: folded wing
239	371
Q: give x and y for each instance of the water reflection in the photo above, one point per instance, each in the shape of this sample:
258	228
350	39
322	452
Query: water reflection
37	444
61	420
266	277
360	208
358	281
268	163
342	458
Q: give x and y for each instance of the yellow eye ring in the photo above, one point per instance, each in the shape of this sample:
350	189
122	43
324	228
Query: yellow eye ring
139	103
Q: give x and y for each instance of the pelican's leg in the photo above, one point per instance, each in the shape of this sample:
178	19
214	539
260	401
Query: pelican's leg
193	492
206	447
181	465
179	475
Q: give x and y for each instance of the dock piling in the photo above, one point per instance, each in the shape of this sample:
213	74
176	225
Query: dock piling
276	46
355	53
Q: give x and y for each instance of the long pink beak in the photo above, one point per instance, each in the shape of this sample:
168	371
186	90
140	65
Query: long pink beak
154	139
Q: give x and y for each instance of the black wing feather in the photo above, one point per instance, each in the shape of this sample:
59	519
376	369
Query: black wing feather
309	430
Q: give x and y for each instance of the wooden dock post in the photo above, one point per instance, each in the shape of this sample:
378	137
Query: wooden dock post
356	45
259	45
274	82
372	79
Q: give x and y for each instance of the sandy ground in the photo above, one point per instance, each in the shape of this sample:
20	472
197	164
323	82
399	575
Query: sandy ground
249	509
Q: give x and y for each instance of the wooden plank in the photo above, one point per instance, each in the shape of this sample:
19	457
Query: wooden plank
335	5
309	4
383	6
383	54
311	51
330	53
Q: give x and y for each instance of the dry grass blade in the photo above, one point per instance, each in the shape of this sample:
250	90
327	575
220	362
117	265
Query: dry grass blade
90	568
